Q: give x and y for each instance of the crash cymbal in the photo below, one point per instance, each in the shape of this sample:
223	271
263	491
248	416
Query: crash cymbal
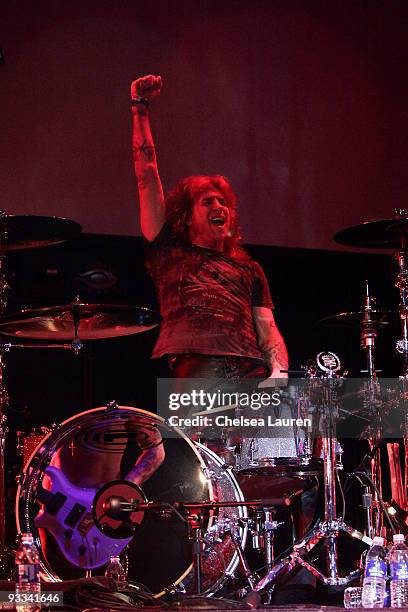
382	234
19	232
96	321
354	319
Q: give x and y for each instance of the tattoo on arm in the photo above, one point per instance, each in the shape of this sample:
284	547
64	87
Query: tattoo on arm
274	349
277	354
144	152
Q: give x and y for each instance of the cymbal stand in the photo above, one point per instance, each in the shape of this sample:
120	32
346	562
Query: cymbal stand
369	334
372	400
401	283
4	401
326	399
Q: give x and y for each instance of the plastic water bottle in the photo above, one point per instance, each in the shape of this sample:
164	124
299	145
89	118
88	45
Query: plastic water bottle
28	572
116	571
375	575
398	559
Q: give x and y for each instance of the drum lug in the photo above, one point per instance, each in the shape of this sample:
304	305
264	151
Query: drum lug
19	447
231	575
339	452
210	474
113	405
173	590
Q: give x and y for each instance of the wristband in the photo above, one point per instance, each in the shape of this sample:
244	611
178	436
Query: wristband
140	100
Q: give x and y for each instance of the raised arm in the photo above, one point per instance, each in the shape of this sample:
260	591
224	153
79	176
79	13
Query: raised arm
271	343
151	198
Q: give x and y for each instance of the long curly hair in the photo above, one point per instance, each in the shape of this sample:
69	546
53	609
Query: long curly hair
179	206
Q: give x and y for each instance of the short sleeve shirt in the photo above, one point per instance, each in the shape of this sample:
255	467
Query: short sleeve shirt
206	298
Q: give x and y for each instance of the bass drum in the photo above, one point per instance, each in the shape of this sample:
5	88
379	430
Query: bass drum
71	463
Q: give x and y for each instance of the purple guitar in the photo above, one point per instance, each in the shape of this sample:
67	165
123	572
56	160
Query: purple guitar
67	513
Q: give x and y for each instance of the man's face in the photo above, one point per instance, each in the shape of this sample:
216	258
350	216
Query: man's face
210	220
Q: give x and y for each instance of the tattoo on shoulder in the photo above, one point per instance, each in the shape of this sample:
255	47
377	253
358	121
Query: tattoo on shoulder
144	152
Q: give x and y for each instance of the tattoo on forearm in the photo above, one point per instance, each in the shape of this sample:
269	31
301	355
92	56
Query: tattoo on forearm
275	351
277	354
144	152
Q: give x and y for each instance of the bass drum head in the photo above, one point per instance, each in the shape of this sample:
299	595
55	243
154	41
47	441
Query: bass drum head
71	463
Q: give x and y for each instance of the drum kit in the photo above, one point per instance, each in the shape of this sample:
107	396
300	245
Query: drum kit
187	529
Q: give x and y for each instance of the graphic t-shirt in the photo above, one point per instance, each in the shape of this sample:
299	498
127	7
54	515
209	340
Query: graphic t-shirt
205	297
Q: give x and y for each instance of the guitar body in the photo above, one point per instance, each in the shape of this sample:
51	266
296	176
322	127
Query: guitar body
67	515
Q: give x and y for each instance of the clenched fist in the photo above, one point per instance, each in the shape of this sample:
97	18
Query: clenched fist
146	87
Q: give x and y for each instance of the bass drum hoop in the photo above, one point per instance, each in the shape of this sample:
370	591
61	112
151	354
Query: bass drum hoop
206	458
212	460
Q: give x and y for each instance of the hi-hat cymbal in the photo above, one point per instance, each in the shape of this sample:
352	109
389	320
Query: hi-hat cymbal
354	319
96	321
382	234
19	232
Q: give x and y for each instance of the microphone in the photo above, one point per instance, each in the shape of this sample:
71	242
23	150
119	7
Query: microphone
115	510
114	507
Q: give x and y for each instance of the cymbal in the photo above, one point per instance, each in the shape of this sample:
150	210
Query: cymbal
381	234
19	232
96	321
354	319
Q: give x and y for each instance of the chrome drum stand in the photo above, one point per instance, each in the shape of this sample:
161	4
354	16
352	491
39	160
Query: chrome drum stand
324	390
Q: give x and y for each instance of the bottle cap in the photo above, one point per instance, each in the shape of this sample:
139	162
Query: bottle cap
378	540
27	537
398	538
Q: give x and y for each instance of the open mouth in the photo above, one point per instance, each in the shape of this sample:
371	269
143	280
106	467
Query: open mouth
218	221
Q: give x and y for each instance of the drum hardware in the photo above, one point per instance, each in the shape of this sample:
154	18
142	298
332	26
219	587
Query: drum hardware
19	233
390	234
175	590
210	474
28	442
262	528
339	456
367	503
398	517
194	535
252	450
402	349
369	333
373	403
328	529
191	513
401	283
116	505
